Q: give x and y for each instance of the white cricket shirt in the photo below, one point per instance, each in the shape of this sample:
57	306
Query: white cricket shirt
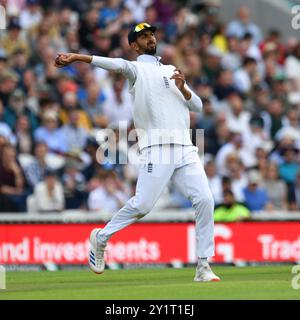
161	113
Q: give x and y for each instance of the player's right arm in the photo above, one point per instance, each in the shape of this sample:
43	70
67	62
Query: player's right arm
119	65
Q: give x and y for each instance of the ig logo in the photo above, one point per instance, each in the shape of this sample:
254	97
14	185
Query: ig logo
296	278
296	18
2	18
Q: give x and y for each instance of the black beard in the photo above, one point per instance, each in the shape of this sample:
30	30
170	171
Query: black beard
152	52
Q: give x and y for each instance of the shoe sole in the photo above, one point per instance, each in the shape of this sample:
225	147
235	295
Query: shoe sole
91	267
212	280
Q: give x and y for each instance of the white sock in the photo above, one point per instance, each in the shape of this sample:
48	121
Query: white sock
202	261
100	239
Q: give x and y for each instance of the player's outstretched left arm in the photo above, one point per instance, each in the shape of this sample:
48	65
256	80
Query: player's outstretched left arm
194	103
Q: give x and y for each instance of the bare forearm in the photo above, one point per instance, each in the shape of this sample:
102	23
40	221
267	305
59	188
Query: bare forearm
82	58
186	93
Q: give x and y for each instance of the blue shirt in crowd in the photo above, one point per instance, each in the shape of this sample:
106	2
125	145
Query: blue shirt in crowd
255	200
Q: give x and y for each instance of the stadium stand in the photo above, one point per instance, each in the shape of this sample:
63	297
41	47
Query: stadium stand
50	118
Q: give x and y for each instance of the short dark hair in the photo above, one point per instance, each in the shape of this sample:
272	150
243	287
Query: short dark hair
249	60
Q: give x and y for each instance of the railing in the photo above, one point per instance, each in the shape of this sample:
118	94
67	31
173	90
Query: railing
172	215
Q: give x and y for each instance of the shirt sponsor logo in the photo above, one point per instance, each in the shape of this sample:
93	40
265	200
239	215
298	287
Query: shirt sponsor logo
166	81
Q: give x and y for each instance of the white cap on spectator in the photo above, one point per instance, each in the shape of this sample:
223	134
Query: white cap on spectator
50	114
254	177
214	51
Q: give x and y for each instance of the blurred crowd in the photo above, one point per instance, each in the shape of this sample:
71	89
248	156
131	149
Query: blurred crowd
249	83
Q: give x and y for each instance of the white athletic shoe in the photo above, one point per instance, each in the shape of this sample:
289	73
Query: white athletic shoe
96	253
205	274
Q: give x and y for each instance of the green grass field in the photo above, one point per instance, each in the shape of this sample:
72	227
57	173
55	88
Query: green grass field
268	282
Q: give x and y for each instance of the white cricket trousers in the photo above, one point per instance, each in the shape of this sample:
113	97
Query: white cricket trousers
160	164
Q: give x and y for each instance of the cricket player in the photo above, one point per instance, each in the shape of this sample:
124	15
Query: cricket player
162	101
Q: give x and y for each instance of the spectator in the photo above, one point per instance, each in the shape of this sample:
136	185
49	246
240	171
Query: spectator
256	197
214	181
108	196
291	126
35	171
102	43
16	107
292	70
244	78
75	137
24	135
91	149
109	12
32	15
273	42
225	85
206	122
237	119
165	10
243	25
50	133
219	39
212	63
118	105
70	101
14	39
48	195
262	165
276	189
273	117
3	60
256	137
12	193
8	83
138	8
248	48
5	130
260	100
232	59
288	171
74	185
237	176
88	26
19	63
92	104
230	210
234	145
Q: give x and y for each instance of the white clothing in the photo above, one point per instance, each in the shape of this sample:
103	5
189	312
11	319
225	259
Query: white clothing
158	104
245	155
242	80
99	199
116	111
43	201
188	175
161	113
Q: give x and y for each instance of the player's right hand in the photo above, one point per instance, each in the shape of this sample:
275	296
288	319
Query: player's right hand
63	59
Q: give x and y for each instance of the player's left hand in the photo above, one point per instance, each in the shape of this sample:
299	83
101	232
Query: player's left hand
179	78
